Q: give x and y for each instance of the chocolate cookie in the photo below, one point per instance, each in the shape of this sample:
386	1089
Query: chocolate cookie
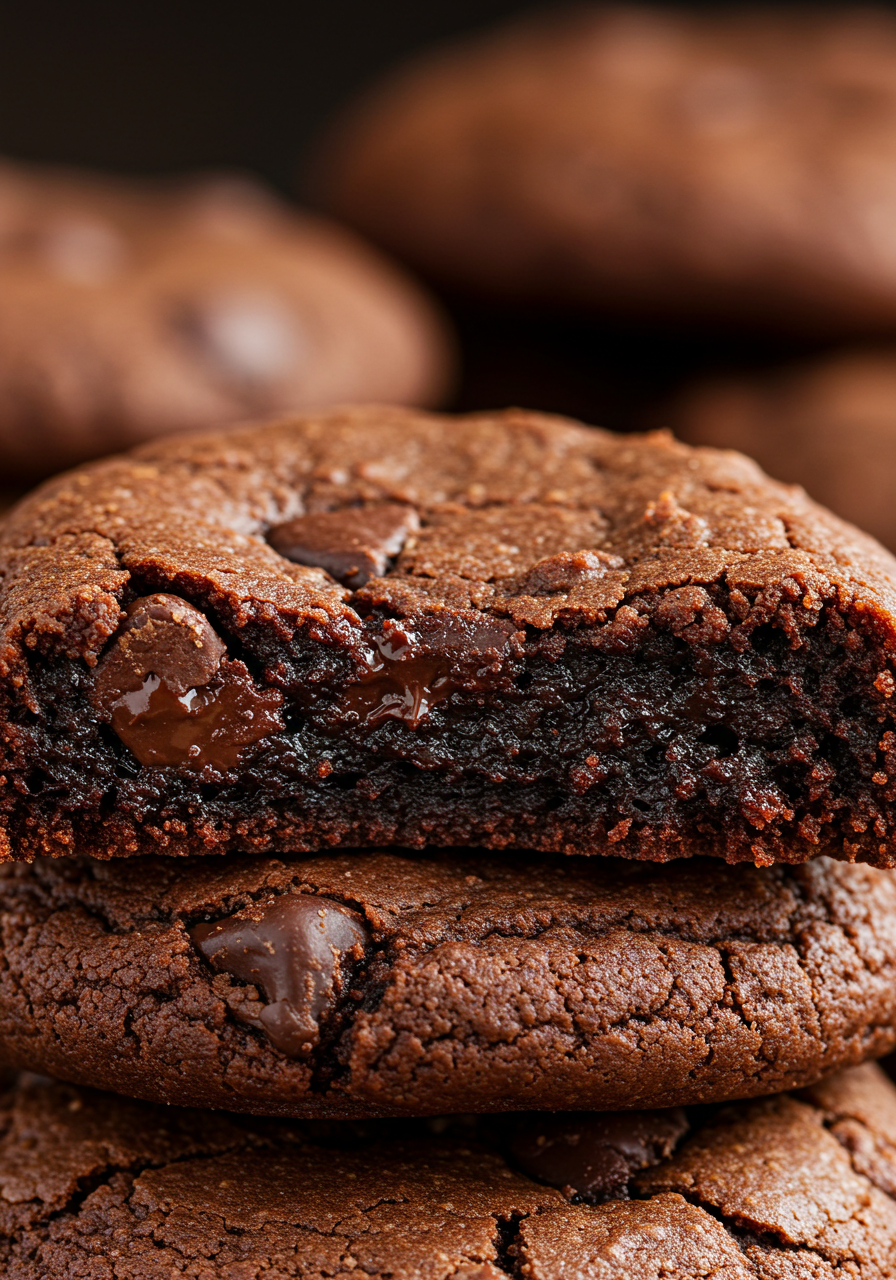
796	1185
829	425
132	310
373	984
711	164
383	627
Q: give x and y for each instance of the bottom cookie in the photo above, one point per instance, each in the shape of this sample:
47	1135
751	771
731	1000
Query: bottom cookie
93	1187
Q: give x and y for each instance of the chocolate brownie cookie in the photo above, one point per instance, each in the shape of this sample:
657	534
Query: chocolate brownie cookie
799	1185
829	425
714	164
372	984
382	627
132	310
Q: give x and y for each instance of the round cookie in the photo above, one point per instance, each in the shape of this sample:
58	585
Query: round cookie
373	984
130	310
711	165
795	1185
829	425
381	627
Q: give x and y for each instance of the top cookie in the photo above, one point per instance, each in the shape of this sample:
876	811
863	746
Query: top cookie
378	626
723	165
131	310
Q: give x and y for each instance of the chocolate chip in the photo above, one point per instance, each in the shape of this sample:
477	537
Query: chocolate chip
173	696
593	1156
353	545
413	669
296	949
166	636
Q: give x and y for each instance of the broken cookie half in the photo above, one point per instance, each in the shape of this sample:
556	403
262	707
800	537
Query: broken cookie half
378	626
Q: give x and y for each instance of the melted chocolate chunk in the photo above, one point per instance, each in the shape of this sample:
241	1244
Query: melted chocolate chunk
593	1156
407	690
296	949
412	670
173	696
164	635
352	545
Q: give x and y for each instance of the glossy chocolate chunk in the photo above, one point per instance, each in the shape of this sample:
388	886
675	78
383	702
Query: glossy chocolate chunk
165	636
593	1155
352	545
296	949
412	670
173	696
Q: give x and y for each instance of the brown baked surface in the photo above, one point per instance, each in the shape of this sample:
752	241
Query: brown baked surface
715	164
828	424
130	310
571	641
798	1185
375	984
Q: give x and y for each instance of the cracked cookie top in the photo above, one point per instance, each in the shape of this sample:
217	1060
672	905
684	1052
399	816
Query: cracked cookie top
796	1184
523	517
365	984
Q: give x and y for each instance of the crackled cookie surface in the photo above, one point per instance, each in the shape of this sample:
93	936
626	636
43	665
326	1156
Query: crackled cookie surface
364	984
381	627
795	1185
726	165
131	310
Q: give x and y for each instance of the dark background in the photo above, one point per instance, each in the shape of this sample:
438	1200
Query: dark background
164	86
160	86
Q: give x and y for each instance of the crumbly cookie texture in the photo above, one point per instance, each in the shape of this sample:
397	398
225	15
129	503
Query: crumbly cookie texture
130	310
798	1184
727	165
364	984
503	629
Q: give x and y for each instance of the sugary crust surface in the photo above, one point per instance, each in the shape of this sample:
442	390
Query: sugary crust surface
96	1188
131	310
586	643
829	425
724	164
481	985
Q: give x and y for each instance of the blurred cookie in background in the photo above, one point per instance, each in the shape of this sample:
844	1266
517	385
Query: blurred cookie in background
134	309
829	425
722	166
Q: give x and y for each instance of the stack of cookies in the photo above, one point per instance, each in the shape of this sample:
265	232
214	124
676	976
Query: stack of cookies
477	828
